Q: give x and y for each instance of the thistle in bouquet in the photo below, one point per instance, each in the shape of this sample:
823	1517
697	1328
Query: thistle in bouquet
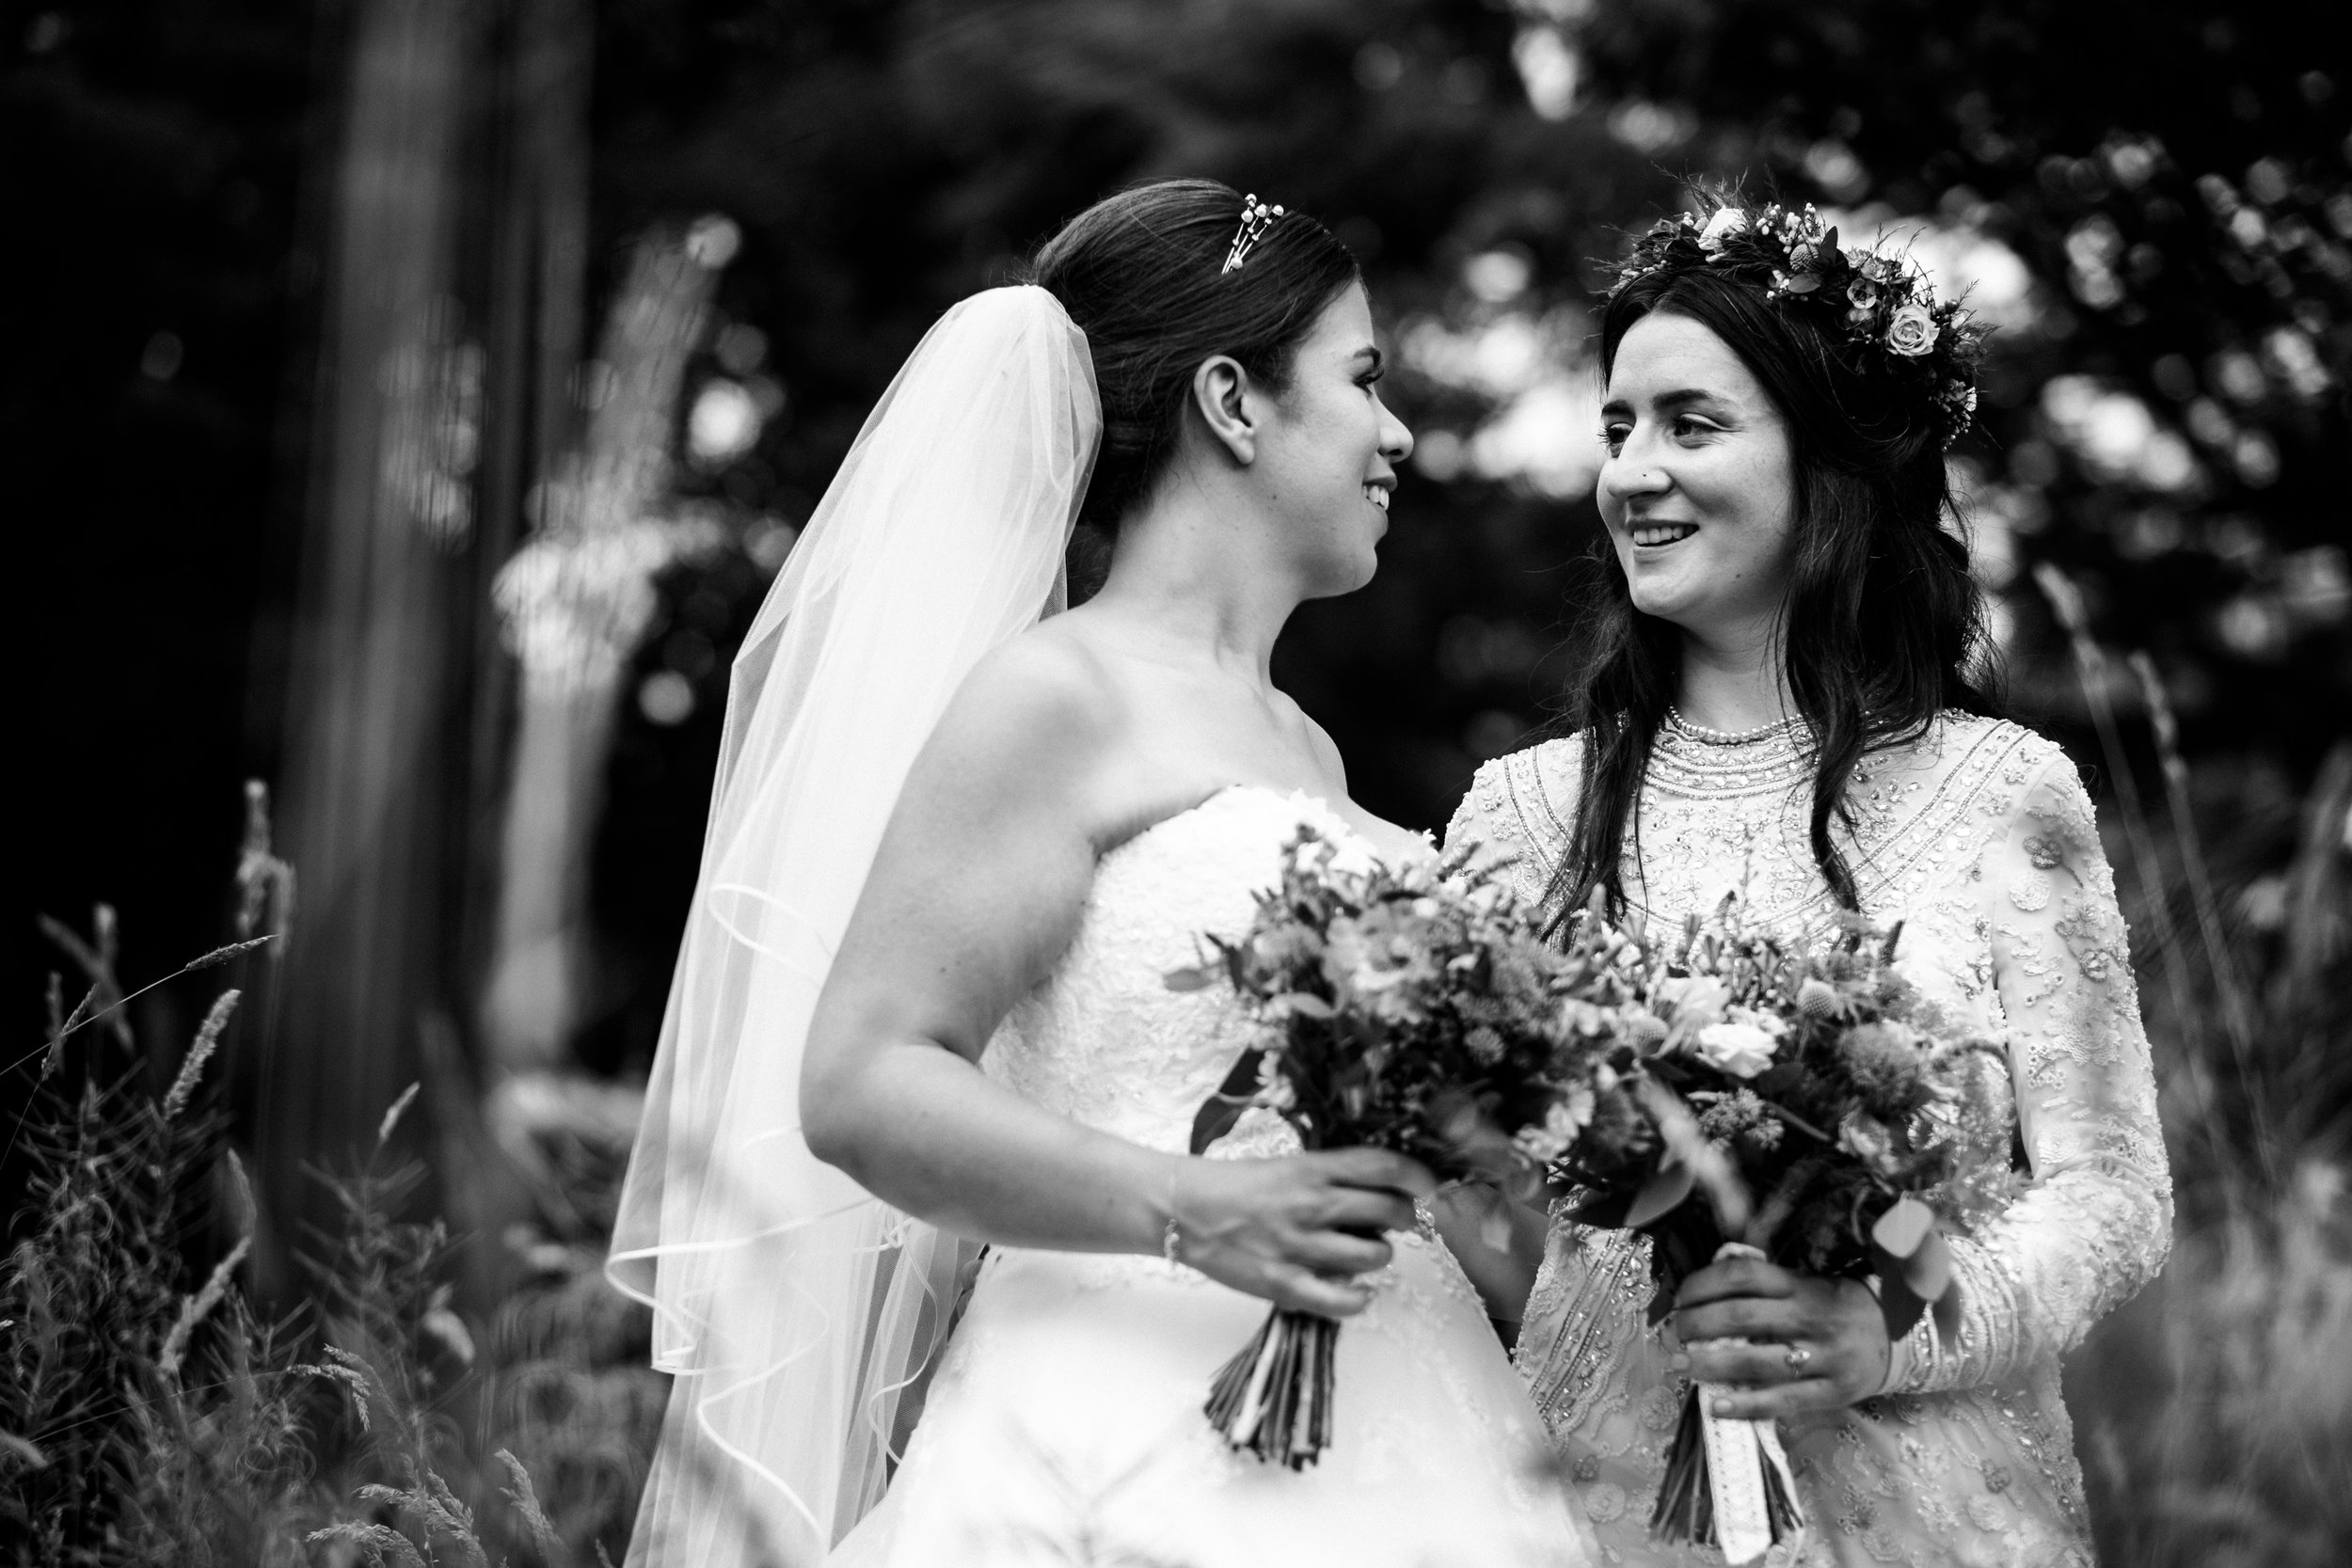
1804	1105
1415	1008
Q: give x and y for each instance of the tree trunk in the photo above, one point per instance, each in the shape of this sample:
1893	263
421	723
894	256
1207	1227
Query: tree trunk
382	578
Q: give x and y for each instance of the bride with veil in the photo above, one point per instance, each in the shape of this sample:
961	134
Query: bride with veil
935	1274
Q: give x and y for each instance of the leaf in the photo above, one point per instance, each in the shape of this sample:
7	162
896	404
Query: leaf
1946	1310
1660	1196
1903	1227
1299	1004
1896	1303
1198	977
1221	1110
1929	1271
1777	1081
1690	1147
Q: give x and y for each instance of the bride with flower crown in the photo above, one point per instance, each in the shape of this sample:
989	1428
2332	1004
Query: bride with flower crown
936	1276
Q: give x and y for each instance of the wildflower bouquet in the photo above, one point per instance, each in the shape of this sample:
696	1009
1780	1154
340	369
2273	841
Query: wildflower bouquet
1413	1008
1801	1105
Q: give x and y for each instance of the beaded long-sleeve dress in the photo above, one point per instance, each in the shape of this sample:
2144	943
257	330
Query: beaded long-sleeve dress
1979	838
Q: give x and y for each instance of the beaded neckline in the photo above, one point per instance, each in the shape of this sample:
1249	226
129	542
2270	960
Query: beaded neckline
1706	737
1688	760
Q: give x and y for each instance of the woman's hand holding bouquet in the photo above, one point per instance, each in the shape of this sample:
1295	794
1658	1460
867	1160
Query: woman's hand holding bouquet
1790	1127
1415	1010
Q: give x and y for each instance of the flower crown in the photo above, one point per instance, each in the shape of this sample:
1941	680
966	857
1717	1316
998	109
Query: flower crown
1883	305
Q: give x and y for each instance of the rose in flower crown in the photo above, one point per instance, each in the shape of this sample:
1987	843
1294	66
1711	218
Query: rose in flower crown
1881	308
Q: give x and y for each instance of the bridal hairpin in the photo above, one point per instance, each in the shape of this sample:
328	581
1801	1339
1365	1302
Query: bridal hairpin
1256	218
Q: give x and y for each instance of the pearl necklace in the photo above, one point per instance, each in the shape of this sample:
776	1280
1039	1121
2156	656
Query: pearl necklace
1706	737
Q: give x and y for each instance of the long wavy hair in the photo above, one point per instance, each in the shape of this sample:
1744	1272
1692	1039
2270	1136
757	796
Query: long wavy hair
1884	625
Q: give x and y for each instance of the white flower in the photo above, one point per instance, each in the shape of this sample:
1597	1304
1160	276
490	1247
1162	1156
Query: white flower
1352	856
1695	999
1742	1050
1562	1120
1726	222
1912	332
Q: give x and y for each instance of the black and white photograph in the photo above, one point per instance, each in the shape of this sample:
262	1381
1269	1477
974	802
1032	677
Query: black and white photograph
1179	783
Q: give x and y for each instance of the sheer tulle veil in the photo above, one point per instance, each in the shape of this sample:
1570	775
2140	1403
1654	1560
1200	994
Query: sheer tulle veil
793	1306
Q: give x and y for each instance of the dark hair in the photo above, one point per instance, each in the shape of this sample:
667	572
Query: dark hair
1882	621
1142	274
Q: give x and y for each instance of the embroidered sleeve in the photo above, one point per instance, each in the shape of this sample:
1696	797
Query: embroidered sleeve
2095	1223
1489	817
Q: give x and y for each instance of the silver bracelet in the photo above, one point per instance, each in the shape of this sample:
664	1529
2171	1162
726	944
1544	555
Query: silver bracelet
1169	1237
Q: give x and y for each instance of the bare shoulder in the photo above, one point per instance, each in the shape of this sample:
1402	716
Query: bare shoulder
1037	721
1325	749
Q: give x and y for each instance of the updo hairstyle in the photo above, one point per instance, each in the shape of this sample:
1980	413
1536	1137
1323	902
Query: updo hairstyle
1141	273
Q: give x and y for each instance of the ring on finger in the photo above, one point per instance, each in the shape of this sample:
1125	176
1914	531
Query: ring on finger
1798	1356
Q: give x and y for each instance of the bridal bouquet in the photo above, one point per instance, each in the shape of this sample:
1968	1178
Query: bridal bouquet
1414	1009
1806	1106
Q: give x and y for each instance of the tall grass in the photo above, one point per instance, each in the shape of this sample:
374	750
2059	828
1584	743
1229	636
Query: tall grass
2213	1414
149	1416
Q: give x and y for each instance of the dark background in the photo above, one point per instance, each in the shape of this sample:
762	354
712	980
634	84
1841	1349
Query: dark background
2154	200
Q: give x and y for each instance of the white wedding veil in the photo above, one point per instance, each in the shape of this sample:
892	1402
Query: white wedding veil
793	1306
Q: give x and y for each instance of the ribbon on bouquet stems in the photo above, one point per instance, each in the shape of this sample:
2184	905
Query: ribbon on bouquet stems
1274	1398
1727	1480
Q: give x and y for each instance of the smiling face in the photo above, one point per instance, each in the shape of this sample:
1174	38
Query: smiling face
1699	487
1327	450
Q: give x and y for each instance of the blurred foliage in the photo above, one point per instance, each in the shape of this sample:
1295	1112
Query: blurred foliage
151	1417
2178	178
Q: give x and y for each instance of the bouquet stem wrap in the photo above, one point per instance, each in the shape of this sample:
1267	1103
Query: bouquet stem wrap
1727	1480
1274	1398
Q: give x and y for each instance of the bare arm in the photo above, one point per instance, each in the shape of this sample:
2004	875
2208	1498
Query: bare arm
976	891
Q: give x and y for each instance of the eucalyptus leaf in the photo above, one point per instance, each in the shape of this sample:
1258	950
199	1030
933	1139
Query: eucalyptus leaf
1221	1110
1903	1227
1660	1196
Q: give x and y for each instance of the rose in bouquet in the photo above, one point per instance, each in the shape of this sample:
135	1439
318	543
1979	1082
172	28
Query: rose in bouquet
1802	1105
1415	1008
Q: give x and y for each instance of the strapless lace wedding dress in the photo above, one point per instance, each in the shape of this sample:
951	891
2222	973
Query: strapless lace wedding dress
1064	1424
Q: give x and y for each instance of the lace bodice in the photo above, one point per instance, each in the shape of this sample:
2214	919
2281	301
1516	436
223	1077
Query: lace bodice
1064	1423
1979	838
1104	1041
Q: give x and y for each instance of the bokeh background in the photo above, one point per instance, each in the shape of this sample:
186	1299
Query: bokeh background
407	403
